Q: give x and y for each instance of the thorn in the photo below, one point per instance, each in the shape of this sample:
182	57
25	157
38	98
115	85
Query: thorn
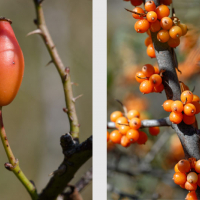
74	99
65	110
72	83
51	61
37	31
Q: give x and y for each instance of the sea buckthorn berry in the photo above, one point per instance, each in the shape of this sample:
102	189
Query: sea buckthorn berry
176	169
135	123
190	186
155	27
148	70
179	178
142	25
163	36
166	23
189	119
191	196
189	109
166	2
162	11
197	166
158	88
132	114
177	106
155	79
195	98
157	71
108	136
186	96
197	106
125	141
198	182
120	121
173	42
192	177
146	87
154	130
184	29
115	136
151	51
148	41
138	10
136	2
175	32
167	105
142	137
176	117
151	16
184	166
140	77
115	115
150	6
132	135
123	129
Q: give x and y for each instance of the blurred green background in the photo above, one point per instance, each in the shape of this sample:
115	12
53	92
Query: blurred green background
126	56
34	121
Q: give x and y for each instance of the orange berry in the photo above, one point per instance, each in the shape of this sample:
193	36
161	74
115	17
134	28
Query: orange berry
195	98
146	87
132	114
154	131
120	121
151	16
197	106
167	105
190	186
173	42
148	41
177	106
140	77
123	129
138	10
157	71
135	123
108	136
186	96
166	2
115	136
155	27
188	119
150	6
176	117
125	141
159	88
183	28
198	182
151	51
176	168
179	178
155	79
142	137
136	2
162	11
189	109
191	196
192	177
184	166
142	25
132	135
197	166
166	23
175	32
115	115
163	36
148	70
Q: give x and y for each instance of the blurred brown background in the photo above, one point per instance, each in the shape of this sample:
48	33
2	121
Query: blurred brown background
126	56
34	121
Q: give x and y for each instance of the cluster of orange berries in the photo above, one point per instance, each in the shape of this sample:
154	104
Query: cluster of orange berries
128	129
187	175
139	2
149	79
169	29
183	110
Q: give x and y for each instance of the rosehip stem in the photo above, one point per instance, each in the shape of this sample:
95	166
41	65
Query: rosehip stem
13	164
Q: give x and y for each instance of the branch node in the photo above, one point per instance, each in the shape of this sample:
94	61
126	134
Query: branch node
65	110
10	167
